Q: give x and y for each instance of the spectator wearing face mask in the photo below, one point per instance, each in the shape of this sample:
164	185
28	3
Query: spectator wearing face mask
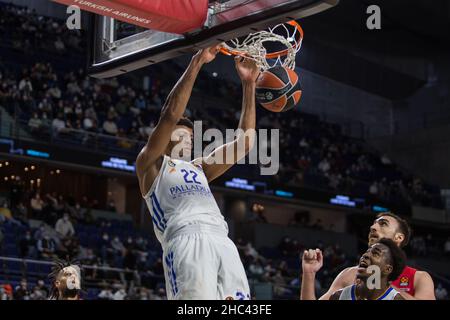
46	247
37	204
441	293
64	227
40	292
21	292
120	294
105	294
27	246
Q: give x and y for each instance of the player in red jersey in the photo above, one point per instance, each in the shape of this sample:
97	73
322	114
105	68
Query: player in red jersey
412	284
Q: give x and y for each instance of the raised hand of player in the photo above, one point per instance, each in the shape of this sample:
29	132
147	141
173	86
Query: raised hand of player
312	261
208	54
247	69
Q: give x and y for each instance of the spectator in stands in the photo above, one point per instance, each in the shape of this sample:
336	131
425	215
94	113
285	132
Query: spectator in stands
130	277
39	233
324	166
21	292
109	126
120	294
25	86
285	246
78	213
385	160
158	268
40	285
118	249
3	294
20	213
58	124
106	250
105	294
6	292
373	189
250	251
7	216
279	284
255	269
69	248
35	124
64	227
440	292
37	204
27	246
257	213
5	213
46	247
59	45
111	206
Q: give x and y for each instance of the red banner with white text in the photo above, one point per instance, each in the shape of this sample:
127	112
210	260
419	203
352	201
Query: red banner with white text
173	16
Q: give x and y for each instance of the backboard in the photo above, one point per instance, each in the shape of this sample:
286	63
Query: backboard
118	47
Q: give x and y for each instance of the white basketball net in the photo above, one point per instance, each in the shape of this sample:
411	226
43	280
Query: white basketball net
252	46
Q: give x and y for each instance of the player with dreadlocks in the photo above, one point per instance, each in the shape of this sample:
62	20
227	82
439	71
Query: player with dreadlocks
66	280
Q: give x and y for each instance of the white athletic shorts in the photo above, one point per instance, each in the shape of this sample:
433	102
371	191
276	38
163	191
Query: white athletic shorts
204	266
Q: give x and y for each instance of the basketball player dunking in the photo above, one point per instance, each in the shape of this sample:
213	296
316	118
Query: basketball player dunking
390	260
412	284
200	261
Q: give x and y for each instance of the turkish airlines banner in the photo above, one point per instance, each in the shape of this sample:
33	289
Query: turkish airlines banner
173	16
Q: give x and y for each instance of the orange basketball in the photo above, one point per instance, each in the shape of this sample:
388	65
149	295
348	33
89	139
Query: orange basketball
278	89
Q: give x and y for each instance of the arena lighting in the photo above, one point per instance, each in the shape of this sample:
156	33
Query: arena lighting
37	154
379	209
343	201
238	183
26	169
58	171
6	178
118	163
285	194
32	167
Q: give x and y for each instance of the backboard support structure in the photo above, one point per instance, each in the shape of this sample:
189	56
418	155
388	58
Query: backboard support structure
114	51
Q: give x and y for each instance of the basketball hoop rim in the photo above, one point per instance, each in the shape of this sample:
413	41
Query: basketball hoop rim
271	55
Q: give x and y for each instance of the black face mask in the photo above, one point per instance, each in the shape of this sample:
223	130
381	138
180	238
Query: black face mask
70	293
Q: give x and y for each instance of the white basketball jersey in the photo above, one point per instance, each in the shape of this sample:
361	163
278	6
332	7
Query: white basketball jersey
348	293
180	196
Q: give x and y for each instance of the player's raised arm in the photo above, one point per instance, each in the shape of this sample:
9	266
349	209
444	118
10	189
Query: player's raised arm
312	261
171	113
225	156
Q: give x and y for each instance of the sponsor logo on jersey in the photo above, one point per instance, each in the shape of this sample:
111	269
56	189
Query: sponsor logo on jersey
404	281
187	189
171	163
